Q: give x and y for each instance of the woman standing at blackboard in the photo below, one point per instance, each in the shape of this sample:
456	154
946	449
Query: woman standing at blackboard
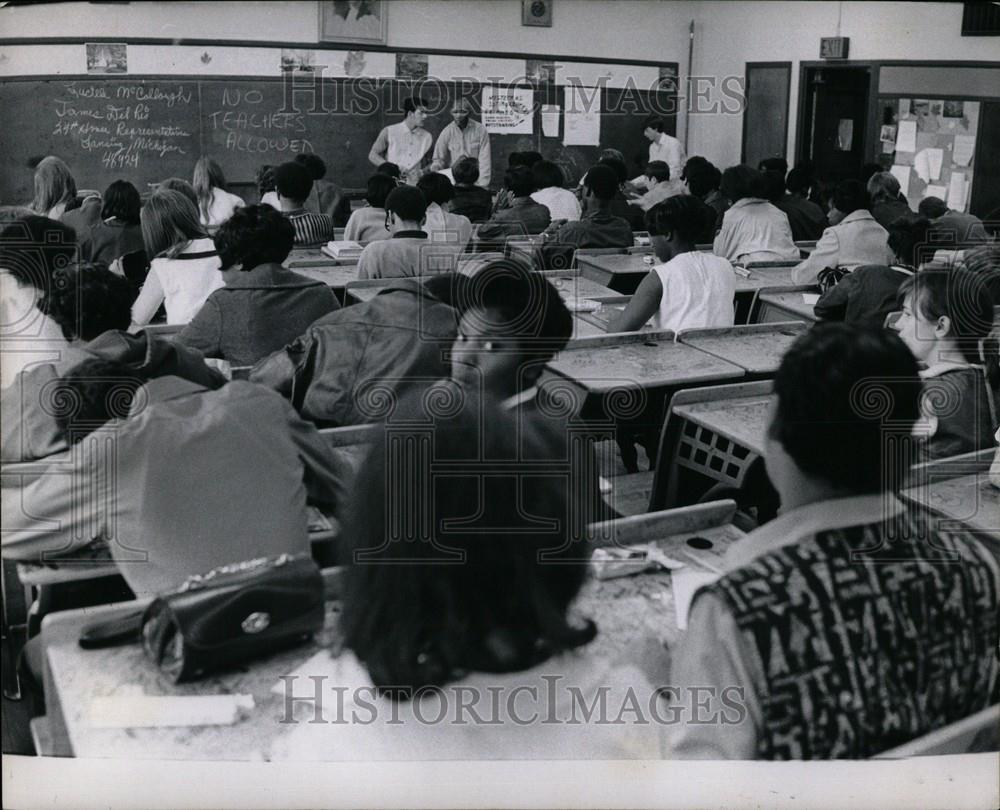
215	204
185	267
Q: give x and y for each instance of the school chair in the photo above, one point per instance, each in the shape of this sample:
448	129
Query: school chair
977	733
695	459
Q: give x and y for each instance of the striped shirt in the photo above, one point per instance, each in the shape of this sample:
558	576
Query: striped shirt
310	228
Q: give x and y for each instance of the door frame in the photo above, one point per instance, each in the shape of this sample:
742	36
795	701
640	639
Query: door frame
871	128
746	95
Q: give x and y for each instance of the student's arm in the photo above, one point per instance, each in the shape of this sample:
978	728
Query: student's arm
825	254
376	156
325	475
59	512
365	264
149	300
441	154
642	307
486	161
204	332
710	679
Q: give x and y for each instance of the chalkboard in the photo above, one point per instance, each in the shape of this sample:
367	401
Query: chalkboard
148	129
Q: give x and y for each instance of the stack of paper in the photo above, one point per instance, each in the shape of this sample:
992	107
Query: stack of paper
343	250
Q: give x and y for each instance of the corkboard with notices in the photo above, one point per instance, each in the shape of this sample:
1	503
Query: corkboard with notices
929	146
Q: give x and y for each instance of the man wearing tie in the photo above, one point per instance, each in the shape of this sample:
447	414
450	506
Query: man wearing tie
464	137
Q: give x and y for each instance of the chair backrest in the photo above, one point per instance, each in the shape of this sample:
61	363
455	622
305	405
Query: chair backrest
974	734
164	329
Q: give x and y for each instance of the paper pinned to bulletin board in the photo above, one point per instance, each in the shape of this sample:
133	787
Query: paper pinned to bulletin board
935	141
508	110
582	116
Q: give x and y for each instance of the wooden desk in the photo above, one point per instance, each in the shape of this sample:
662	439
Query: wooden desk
969	498
315	257
758	349
335	276
627	611
783	306
621	272
638	360
765	277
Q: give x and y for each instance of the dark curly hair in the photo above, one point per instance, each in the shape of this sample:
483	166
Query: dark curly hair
486	582
254	235
839	389
122	201
93	393
88	300
436	188
683	215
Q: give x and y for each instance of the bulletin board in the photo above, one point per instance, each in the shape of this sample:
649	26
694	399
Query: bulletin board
929	145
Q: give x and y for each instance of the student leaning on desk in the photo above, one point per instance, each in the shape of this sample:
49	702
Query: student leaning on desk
815	620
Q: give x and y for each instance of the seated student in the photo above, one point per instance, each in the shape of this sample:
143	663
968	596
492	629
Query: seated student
293	184
421	632
119	232
806	219
56	197
184	267
857	238
181	185
92	306
659	186
773	165
524	216
441	225
326	197
339	371
471	200
620	206
367	224
215	203
887	201
390	169
950	226
201	478
263	306
702	180
549	180
946	312
512	321
690	288
752	229
815	623
32	248
265	187
867	295
597	229
406	252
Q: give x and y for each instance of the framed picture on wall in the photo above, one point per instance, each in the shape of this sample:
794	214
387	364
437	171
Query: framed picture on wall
355	21
536	12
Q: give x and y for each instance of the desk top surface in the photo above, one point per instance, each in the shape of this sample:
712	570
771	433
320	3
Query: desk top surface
757	352
792	302
616	263
315	256
742	420
570	284
971	499
650	364
632	264
627	611
337	276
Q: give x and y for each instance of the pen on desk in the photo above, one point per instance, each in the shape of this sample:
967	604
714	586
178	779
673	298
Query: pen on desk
702	563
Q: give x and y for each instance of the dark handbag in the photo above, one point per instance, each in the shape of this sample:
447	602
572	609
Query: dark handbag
232	614
829	277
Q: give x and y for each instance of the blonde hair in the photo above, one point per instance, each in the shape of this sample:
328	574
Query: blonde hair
54	184
207	175
169	222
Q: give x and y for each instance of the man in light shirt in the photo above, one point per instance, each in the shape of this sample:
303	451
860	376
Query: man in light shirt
405	143
464	137
661	147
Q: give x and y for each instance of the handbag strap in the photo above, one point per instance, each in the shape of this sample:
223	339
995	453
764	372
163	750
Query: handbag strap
113	632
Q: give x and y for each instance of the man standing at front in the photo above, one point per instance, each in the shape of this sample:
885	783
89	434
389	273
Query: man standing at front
661	147
405	143
464	137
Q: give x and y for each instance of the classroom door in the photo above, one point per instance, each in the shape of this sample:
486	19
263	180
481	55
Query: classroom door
836	120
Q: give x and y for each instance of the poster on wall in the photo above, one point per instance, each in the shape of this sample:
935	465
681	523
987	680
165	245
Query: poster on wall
107	57
508	110
357	22
582	116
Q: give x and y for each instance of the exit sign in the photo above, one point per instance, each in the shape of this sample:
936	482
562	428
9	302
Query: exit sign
834	47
